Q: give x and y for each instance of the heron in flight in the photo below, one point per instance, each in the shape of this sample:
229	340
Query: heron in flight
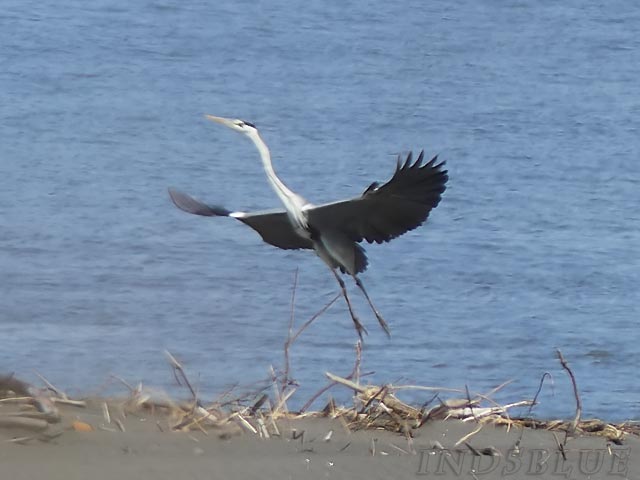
334	230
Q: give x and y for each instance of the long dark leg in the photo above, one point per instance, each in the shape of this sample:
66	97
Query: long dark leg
359	327
383	324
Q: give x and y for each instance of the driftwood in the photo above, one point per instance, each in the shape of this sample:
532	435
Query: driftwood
375	407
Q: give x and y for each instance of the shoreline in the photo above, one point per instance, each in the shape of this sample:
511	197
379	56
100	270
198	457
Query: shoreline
141	446
47	435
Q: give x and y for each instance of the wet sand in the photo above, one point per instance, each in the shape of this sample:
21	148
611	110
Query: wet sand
304	448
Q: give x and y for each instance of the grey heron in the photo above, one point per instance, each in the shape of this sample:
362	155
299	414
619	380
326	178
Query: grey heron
334	230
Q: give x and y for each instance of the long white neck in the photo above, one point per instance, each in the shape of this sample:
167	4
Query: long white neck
293	202
287	196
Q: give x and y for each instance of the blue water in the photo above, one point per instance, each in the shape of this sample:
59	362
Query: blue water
535	246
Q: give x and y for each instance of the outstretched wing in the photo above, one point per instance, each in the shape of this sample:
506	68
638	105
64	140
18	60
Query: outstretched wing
275	228
385	212
273	225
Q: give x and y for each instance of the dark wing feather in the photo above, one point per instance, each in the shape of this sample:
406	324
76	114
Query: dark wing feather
273	225
386	212
275	228
191	205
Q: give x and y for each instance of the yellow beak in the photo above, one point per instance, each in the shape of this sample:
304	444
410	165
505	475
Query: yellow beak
221	120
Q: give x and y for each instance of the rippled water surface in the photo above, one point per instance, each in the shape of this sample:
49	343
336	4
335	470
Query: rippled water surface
535	246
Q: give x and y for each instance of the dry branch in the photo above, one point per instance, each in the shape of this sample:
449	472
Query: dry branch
177	368
576	419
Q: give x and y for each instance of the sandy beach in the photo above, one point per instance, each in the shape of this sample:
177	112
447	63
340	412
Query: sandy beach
113	438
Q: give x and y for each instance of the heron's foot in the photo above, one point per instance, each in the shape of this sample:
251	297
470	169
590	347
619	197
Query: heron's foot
382	323
359	327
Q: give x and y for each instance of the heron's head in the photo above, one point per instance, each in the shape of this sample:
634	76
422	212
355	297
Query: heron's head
234	124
